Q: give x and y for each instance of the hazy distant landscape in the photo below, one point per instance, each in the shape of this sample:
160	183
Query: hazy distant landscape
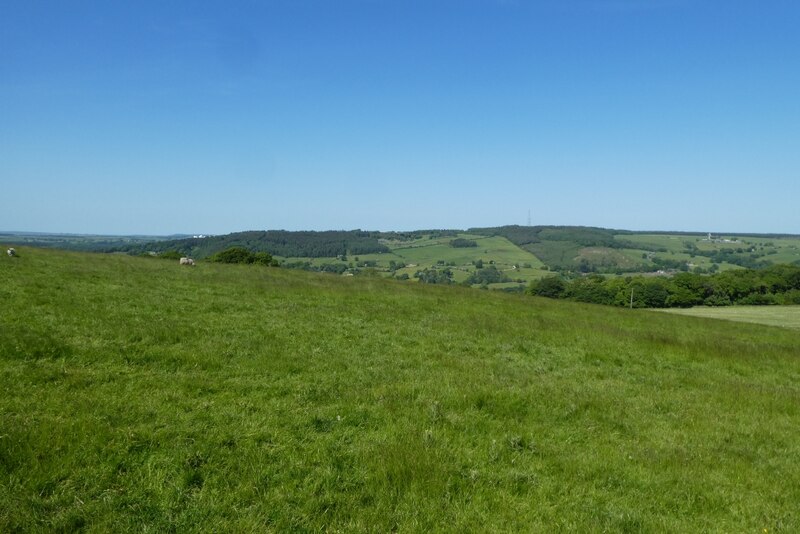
521	254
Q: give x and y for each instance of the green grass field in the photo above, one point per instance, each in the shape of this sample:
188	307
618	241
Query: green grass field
783	316
603	256
498	249
786	251
141	396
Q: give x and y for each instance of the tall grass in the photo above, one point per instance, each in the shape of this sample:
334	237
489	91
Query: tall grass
138	395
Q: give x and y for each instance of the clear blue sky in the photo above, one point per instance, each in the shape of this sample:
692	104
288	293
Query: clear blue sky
165	117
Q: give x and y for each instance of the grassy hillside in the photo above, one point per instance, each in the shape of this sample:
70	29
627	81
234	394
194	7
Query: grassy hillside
142	396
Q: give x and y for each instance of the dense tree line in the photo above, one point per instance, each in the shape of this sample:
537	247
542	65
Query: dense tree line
302	244
586	236
416	234
776	284
276	242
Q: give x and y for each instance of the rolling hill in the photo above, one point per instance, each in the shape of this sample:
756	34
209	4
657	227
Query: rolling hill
514	255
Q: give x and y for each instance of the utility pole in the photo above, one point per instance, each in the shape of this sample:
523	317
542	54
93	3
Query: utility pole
529	217
631	298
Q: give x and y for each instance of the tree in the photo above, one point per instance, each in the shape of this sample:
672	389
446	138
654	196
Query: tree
233	255
242	255
433	276
550	287
263	258
652	293
590	289
489	275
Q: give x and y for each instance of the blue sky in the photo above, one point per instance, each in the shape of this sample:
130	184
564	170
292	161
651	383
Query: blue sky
188	117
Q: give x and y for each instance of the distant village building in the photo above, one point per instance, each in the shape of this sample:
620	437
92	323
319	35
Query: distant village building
712	239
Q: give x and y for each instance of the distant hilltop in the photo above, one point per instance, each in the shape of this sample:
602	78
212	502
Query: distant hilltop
526	252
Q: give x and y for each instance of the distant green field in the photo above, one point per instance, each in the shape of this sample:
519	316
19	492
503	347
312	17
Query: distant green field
674	243
692	261
142	396
555	252
788	251
611	257
497	249
761	248
546	249
438	253
784	316
569	254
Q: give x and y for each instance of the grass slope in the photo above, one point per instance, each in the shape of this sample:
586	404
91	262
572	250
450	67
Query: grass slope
141	396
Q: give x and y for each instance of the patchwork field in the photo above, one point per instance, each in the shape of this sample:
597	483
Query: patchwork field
672	243
141	396
437	253
765	248
524	253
